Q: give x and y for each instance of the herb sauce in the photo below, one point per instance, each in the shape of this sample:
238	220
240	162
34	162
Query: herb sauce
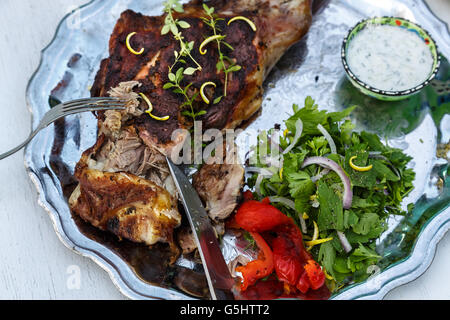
389	58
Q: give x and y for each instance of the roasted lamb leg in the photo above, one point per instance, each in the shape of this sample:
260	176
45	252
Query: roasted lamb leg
279	24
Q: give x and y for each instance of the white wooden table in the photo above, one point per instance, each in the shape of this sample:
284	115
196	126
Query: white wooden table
34	264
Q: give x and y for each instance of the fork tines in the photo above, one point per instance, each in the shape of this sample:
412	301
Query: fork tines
95	104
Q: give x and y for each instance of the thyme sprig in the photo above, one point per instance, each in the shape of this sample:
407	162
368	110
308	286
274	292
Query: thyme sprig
174	25
175	84
225	63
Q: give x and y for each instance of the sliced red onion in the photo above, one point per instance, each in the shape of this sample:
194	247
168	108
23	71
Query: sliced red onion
290	204
298	134
344	242
333	151
259	170
328	138
330	164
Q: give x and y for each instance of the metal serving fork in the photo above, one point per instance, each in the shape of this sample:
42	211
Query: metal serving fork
68	108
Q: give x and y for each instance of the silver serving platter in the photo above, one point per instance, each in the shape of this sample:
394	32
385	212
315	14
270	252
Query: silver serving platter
312	67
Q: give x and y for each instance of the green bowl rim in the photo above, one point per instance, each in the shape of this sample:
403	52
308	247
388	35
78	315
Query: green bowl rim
407	92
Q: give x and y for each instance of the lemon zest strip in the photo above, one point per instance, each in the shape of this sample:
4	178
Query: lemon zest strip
202	93
250	22
159	118
150	109
129	46
327	275
313	243
147	101
316	231
357	168
318	241
208	40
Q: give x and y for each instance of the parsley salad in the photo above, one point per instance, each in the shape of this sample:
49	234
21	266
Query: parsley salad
339	186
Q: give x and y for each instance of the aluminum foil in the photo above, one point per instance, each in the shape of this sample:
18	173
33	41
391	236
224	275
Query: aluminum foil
420	126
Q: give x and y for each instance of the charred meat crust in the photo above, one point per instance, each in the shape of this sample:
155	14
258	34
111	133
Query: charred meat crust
151	70
280	24
126	205
129	206
109	192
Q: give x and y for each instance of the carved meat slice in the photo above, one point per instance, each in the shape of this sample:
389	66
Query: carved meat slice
126	205
219	183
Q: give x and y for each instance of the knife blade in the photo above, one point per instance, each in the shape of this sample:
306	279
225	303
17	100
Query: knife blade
220	281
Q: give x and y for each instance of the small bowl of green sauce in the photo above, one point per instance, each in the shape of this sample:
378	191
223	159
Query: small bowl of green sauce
389	58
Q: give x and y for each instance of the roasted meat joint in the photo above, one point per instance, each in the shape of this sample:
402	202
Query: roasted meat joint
195	62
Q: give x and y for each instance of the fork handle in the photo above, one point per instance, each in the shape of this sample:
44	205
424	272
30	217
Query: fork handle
11	152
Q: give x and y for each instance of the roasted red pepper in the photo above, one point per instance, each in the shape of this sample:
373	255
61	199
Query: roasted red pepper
303	283
255	216
286	255
257	269
287	263
316	276
292	231
292	263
